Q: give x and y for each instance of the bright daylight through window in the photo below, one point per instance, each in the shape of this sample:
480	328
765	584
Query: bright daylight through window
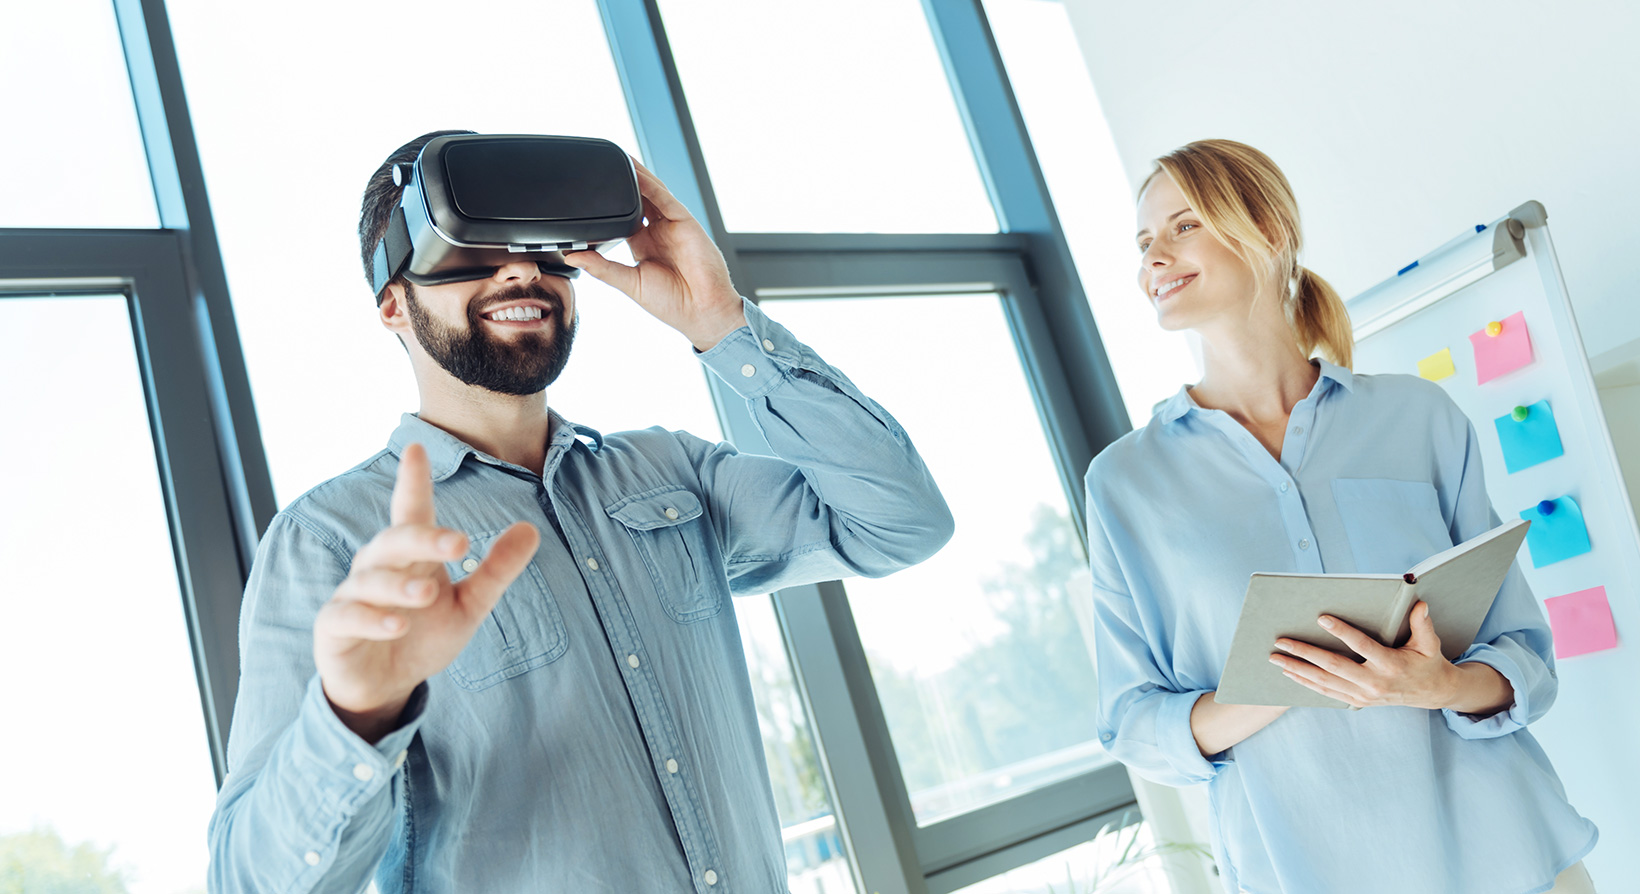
979	654
105	774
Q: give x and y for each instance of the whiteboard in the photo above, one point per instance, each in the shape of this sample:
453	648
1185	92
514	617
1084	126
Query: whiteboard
1509	266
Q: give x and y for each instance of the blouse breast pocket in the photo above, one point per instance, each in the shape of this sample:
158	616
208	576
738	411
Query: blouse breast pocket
669	532
524	631
1392	525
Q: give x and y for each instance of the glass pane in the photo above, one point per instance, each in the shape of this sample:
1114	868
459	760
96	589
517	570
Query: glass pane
329	382
1092	195
978	654
1117	861
104	769
73	154
815	860
826	117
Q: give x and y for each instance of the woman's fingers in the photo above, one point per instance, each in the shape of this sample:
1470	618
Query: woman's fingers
1424	639
1359	642
1334	664
1330	693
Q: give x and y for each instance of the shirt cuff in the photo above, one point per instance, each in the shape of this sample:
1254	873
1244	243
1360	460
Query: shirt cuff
1178	743
753	359
350	770
1470	726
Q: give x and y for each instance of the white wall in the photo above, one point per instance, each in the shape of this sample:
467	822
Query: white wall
1400	123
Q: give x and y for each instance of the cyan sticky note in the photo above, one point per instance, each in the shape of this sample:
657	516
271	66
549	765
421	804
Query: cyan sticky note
1501	346
1557	531
1582	622
1437	366
1529	436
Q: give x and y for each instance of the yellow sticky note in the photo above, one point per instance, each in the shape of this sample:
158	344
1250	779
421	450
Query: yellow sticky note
1437	366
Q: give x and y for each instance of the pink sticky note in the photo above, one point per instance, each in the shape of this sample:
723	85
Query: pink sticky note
1505	352
1582	622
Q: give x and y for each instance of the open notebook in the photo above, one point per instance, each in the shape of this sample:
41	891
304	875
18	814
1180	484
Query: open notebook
1459	584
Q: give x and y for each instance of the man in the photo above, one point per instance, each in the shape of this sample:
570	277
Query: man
500	655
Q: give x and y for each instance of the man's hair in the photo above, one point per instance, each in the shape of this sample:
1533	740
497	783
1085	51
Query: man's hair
381	197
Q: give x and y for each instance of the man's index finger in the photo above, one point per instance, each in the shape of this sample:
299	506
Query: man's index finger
413	491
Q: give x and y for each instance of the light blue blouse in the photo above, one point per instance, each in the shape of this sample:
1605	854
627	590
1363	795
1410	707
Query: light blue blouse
1376	474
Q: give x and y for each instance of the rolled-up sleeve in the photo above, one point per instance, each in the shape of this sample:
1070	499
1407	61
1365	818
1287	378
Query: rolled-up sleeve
846	491
1143	715
307	806
1514	639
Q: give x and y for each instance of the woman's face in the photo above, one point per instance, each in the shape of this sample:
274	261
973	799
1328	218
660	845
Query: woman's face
1188	275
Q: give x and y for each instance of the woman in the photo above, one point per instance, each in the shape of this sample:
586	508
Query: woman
1277	462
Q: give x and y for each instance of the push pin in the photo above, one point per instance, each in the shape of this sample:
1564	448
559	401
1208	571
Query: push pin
1519	414
1547	507
1494	329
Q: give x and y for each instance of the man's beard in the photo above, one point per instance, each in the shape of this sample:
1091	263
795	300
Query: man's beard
527	365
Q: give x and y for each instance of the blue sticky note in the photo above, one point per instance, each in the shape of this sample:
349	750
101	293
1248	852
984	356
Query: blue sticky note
1557	531
1529	441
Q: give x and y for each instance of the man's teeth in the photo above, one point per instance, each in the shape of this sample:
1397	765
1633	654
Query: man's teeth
1177	283
516	313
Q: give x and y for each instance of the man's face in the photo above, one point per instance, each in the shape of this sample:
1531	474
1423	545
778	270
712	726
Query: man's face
510	333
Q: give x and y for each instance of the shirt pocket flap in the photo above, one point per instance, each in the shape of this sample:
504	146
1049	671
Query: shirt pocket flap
658	508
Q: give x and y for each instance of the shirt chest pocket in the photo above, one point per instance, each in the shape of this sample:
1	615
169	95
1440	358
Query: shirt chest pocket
1392	525
524	631
669	534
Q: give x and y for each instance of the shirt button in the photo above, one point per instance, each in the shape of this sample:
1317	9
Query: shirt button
363	772
1298	429
768	345
632	661
593	564
399	760
469	565
1105	737
1304	544
671	766
672	513
748	370
311	858
1285	487
710	876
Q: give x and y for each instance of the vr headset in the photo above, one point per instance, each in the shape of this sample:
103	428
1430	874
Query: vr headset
473	203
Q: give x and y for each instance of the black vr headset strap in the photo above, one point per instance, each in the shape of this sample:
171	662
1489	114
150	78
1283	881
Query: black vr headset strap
391	254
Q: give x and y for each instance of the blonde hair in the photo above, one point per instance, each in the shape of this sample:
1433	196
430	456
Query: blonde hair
1246	203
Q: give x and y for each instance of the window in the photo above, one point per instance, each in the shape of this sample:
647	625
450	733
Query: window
1092	195
1118	860
815	861
286	159
105	764
977	654
73	154
820	117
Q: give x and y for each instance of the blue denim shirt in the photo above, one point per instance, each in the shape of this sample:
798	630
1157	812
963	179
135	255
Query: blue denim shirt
598	733
1376	474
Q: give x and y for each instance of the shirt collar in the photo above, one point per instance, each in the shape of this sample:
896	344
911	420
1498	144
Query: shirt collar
1180	404
445	451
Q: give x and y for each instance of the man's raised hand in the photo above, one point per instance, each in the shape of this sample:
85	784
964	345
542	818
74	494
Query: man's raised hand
680	278
397	619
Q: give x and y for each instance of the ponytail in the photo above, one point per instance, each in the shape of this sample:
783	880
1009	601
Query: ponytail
1320	320
1246	203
